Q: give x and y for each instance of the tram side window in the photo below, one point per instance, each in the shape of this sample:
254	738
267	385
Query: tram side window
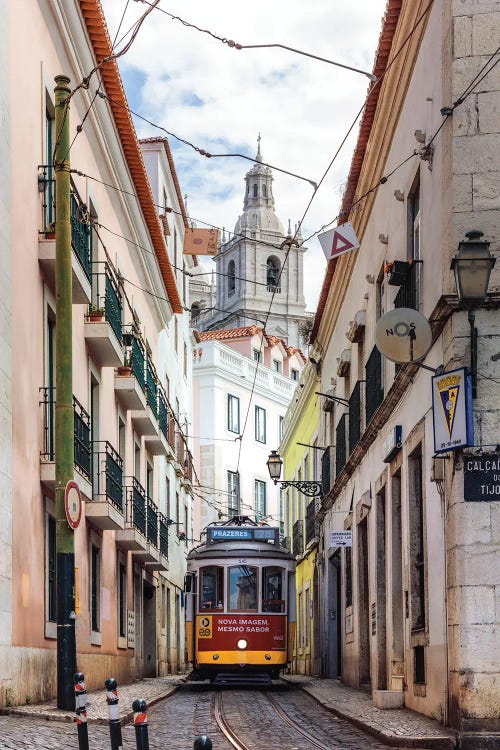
211	588
243	589
272	590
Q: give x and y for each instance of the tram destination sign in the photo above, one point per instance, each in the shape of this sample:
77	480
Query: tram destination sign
242	533
482	477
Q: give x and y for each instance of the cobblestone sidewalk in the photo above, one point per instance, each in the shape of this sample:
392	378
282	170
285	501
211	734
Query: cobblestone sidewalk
151	690
399	727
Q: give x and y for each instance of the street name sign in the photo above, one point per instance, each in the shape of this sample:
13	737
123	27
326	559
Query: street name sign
482	477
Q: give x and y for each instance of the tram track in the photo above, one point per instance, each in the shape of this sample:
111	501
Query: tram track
236	741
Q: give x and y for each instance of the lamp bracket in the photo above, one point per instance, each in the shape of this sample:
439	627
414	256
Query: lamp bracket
311	489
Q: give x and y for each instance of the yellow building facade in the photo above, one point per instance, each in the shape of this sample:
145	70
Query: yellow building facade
302	462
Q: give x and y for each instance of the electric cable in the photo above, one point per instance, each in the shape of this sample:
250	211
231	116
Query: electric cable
235	45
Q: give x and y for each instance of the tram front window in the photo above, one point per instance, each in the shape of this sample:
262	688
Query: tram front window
211	588
272	590
243	589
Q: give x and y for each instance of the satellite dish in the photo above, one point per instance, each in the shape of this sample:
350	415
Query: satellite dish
403	335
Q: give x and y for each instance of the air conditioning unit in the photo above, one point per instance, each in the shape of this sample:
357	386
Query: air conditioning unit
328	403
357	327
393	443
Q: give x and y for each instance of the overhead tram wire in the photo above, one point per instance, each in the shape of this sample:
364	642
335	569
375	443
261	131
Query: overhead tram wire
235	45
311	199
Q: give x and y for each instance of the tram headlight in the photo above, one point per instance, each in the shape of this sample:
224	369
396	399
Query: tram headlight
242	644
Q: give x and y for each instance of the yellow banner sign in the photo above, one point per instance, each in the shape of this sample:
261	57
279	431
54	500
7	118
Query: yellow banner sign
201	241
204	627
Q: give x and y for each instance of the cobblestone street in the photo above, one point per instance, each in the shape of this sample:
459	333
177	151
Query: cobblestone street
177	720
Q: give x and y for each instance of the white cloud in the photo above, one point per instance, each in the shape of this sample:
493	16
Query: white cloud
220	98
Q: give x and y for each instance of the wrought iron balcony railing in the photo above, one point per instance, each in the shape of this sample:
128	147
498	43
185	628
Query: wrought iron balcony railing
82	442
163	413
355	415
326	470
163	534
137	362
408	291
188	466
298	538
374	385
340	444
136	505
312	526
81	231
151	387
107	297
152	522
109	475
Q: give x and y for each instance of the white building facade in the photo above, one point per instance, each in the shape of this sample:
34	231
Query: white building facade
243	383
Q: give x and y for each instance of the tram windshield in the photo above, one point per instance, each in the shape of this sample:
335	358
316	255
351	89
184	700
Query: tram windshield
243	589
211	588
272	590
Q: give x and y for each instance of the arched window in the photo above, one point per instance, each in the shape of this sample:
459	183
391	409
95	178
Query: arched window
231	278
195	311
264	191
255	190
273	272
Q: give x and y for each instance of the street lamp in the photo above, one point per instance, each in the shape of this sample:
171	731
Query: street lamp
274	464
472	267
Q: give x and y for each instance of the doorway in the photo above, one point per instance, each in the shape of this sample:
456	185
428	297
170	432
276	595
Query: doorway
334	617
149	630
397	608
363	605
380	622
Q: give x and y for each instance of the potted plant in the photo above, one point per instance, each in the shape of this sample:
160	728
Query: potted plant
182	536
126	369
96	314
50	231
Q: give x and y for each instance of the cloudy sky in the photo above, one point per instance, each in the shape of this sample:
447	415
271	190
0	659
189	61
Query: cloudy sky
220	99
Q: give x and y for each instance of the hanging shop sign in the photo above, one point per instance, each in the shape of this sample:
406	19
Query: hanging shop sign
200	241
341	538
452	410
482	477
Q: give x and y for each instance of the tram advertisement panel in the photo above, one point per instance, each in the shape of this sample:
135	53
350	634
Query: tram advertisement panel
262	632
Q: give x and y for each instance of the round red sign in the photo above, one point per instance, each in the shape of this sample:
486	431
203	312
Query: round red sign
73	504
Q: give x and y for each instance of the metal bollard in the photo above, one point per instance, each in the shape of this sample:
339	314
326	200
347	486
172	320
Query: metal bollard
115	727
140	724
202	743
81	710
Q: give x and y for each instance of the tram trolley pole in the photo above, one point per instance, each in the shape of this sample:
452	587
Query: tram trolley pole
115	727
140	724
81	710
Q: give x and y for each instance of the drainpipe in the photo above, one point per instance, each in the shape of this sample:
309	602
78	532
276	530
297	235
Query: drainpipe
64	418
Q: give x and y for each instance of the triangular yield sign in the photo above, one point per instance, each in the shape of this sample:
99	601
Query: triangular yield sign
340	244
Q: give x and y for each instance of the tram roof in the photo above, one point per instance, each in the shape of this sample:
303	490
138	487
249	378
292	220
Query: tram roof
236	549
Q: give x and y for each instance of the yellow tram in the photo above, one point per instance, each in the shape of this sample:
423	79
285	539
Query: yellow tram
240	603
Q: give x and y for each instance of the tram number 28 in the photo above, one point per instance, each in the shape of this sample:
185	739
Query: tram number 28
205	629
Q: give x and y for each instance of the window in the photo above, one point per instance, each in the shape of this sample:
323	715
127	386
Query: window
50	564
255	190
177	512
242	589
264	190
348	576
380	299
231	278
167	497
273	273
137	461
277	367
233	414
186	524
307	628
417	547
419	665
282	512
176	335
121	439
49	192
122	600
260	499
167	387
260	424
149	480
256	355
185	360
295	374
163	616
272	590
211	588
233	493
281	428
95	586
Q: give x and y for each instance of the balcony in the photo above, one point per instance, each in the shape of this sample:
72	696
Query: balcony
145	419
187	479
374	386
344	364
340	444
133	536
103	322
297	538
106	509
158	444
82	445
408	291
152	535
355	415
312	526
163	524
179	455
81	240
326	467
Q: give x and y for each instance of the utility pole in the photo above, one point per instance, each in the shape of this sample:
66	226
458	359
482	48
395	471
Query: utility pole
64	421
